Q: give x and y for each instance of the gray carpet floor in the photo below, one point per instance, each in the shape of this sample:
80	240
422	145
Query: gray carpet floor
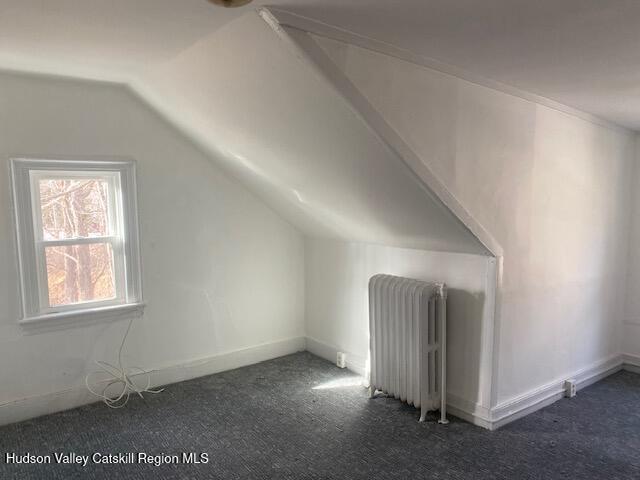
299	417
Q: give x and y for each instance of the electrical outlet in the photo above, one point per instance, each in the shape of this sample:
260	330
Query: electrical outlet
570	388
341	360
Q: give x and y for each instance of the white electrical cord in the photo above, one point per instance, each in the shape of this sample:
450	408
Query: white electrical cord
119	375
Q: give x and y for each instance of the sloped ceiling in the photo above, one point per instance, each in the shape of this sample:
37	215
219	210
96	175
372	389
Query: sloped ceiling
289	136
296	143
582	53
226	79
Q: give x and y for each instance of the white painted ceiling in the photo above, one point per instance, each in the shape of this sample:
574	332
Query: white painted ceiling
583	53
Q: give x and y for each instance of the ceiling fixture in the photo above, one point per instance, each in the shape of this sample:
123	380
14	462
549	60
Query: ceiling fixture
230	3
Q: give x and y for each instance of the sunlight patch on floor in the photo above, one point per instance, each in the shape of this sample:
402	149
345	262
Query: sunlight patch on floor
341	383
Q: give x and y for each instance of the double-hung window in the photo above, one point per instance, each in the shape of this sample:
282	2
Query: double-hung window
77	237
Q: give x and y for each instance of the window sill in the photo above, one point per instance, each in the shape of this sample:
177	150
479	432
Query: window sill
76	318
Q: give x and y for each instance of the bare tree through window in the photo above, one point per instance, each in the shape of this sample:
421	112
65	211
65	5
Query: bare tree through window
76	209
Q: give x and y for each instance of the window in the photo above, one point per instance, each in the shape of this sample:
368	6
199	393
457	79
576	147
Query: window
77	237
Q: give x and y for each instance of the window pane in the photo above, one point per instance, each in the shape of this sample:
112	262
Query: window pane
74	208
80	273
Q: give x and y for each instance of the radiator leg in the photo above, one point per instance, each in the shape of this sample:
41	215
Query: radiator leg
443	416
423	413
372	392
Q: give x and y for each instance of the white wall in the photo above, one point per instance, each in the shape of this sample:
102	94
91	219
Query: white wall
552	189
221	271
631	320
337	277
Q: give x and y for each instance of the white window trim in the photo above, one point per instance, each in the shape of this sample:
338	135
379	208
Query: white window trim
34	302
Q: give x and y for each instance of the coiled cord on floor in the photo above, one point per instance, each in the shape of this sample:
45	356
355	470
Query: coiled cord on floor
119	375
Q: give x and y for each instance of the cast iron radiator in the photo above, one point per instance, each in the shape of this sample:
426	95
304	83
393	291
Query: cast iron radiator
407	326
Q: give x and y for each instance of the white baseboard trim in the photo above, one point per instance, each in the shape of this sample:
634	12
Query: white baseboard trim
522	405
355	363
502	414
631	363
35	406
470	411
